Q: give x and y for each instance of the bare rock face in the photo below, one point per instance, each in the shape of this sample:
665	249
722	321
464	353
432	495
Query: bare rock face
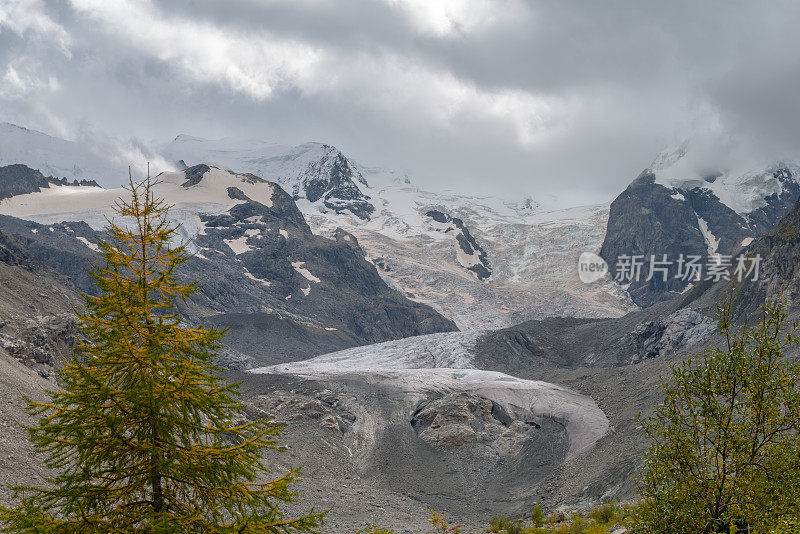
458	419
663	335
38	341
333	179
649	218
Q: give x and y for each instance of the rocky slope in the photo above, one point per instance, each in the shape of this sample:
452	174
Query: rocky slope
500	263
37	330
673	208
776	272
265	275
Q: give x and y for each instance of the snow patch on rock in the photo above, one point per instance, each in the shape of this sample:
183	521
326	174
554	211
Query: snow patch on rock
88	243
250	275
239	245
298	266
711	242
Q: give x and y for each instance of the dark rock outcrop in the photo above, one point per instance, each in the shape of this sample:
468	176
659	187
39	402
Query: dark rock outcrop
12	253
477	259
664	335
194	174
333	179
651	219
20	179
646	220
57	246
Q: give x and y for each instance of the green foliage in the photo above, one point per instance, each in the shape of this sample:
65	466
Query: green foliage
578	525
598	521
505	524
141	438
724	448
786	526
604	513
537	516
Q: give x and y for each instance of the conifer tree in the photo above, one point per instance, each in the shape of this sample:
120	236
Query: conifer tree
141	435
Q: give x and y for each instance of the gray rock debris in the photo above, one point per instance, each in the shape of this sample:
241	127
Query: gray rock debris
460	418
38	341
683	328
286	407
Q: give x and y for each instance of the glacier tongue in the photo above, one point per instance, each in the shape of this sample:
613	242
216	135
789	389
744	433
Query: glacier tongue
445	363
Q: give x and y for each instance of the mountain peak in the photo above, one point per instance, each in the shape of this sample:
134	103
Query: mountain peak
317	172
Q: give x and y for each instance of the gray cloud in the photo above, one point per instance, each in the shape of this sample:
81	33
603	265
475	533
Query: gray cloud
535	97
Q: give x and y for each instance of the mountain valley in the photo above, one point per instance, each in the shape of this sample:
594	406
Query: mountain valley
423	349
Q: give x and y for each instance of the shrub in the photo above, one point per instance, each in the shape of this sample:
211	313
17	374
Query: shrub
505	524
537	516
604	513
724	444
579	525
440	525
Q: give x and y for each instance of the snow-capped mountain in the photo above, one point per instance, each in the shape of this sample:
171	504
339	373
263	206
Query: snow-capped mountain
315	172
265	274
744	190
677	207
103	160
482	261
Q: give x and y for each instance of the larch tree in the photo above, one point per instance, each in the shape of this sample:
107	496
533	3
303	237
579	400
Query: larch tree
141	435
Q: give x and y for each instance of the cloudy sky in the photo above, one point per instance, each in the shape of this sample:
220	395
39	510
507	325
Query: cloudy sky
568	97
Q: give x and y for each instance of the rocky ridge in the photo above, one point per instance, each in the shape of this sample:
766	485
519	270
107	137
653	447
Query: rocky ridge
671	210
264	272
471	255
20	179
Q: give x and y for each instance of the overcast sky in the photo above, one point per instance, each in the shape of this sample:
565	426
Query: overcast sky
471	95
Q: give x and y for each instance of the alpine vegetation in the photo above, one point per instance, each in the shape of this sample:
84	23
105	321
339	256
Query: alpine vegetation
724	443
141	436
